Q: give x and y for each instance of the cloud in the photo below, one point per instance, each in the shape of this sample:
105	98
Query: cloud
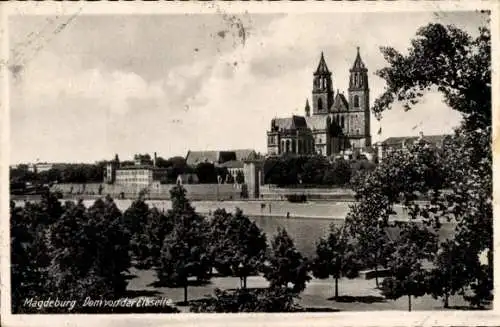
223	95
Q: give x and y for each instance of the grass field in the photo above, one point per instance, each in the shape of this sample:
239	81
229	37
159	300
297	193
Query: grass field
355	294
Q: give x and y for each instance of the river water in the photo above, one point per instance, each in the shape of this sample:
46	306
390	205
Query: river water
307	222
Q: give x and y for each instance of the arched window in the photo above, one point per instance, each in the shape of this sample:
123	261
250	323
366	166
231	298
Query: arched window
356	101
287	146
299	146
282	146
294	146
320	104
342	121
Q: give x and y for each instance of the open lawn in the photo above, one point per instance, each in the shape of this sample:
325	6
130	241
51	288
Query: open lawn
355	295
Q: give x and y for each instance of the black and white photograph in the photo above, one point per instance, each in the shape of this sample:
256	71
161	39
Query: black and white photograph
229	160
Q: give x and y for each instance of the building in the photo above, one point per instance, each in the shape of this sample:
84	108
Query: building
234	167
401	143
40	167
143	172
194	158
337	123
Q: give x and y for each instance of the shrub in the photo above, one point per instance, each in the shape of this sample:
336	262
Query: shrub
296	198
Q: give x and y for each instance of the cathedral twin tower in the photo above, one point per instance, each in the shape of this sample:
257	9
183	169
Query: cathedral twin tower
336	124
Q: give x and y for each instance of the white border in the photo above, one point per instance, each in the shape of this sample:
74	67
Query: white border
372	318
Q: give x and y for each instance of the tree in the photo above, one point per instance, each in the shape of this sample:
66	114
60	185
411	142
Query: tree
222	172
373	247
89	251
448	275
113	258
335	257
447	59
28	259
158	226
185	249
414	247
206	173
229	179
240	177
135	220
286	265
238	245
367	223
313	170
246	300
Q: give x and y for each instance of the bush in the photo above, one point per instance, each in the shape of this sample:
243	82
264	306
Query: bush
248	300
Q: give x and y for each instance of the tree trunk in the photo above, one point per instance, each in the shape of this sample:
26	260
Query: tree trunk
185	291
446	300
409	302
376	276
336	287
244	282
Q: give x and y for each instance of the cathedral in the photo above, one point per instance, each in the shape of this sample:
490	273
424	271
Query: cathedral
335	125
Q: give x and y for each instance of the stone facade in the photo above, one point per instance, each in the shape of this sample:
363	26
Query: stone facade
337	123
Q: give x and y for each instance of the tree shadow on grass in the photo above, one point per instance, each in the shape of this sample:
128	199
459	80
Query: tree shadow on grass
139	293
468	308
191	302
322	309
191	283
361	299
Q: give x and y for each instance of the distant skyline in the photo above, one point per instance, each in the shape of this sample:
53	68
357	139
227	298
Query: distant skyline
172	83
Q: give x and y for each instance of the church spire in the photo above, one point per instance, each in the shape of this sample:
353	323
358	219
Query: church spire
359	74
322	67
307	108
322	96
358	63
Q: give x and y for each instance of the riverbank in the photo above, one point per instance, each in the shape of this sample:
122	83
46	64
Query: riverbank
329	210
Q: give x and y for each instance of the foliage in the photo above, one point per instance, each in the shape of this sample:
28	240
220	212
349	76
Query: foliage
286	265
240	177
61	173
414	246
457	65
372	243
29	251
448	276
307	170
70	252
335	257
229	179
135	220
89	251
185	249
206	172
446	58
238	245
249	300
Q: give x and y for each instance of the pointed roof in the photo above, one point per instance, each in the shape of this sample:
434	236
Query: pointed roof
317	122
307	107
340	103
358	63
322	67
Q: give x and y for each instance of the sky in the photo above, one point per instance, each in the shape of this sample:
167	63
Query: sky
85	88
